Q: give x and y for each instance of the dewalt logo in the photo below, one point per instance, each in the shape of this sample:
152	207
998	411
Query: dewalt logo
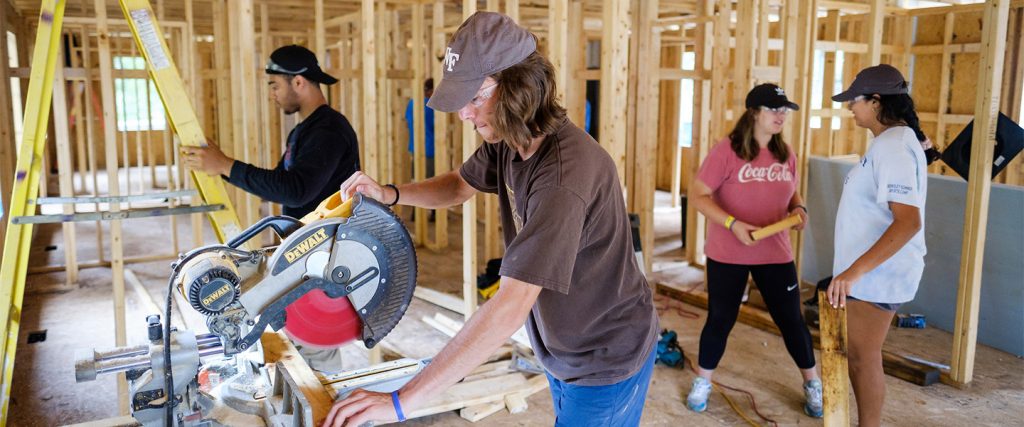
209	300
305	246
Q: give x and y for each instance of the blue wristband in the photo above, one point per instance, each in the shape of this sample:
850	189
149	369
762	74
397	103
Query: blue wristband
398	406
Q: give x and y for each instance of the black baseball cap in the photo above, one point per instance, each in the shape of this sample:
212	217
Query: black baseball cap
769	95
883	79
485	44
295	60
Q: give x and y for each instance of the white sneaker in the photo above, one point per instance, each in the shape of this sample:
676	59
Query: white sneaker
812	392
697	401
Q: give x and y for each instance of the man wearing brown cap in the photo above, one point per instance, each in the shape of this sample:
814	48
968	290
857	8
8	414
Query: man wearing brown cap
569	271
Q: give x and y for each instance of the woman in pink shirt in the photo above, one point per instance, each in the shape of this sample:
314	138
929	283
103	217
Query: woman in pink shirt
749	181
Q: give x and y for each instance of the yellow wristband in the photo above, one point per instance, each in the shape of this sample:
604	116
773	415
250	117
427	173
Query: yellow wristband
730	221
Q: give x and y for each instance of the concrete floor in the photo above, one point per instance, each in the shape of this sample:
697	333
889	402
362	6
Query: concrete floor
80	317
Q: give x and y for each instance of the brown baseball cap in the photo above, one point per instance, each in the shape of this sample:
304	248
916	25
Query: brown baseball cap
485	44
883	79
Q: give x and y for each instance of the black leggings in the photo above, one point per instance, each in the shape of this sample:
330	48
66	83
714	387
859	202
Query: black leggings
778	286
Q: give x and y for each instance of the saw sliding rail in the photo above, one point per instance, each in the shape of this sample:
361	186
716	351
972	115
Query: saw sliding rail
173	95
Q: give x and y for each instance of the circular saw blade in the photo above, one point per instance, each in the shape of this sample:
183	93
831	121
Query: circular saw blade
372	237
319	321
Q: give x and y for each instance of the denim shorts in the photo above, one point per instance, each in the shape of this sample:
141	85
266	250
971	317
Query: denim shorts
884	306
614	405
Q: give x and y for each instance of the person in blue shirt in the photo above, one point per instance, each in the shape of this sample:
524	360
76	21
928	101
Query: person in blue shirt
428	118
586	117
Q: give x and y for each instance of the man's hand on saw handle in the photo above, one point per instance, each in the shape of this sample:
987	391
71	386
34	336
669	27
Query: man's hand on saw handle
360	182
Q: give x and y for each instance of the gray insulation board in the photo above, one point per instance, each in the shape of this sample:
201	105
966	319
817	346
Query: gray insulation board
1001	313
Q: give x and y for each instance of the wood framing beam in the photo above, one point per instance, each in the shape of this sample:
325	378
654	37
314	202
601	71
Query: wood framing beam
512	9
669	107
679	74
825	134
441	141
369	90
798	63
246	143
939	139
876	23
494	245
696	224
320	38
614	82
558	44
223	105
469	212
720	67
986	112
419	112
65	169
743	53
646	130
113	190
960	8
576	90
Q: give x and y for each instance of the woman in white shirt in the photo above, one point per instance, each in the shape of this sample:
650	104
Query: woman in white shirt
879	236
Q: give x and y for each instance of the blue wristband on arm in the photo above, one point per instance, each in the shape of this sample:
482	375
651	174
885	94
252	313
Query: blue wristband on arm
398	406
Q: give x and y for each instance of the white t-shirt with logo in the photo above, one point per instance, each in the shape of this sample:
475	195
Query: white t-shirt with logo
893	170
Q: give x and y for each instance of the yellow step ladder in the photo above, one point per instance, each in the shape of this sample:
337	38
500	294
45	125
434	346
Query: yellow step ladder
17	242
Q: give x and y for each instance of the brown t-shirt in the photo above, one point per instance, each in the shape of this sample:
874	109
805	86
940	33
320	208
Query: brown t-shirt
594	322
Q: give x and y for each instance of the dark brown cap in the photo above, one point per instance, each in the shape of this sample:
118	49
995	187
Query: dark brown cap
883	79
485	44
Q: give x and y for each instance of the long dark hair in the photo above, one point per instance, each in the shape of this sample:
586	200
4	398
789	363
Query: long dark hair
744	145
527	105
898	110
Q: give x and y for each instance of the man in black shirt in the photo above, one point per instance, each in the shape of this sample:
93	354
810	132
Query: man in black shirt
322	150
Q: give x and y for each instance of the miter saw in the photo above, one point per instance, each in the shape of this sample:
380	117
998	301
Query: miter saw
345	271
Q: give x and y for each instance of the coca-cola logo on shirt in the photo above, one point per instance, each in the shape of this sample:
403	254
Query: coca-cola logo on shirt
773	173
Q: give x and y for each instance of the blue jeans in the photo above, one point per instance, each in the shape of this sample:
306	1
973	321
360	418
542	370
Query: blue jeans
613	405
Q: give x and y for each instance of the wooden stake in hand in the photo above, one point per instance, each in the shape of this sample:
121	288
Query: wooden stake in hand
790	222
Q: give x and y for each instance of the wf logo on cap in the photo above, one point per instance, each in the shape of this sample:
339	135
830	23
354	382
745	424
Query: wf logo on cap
450	58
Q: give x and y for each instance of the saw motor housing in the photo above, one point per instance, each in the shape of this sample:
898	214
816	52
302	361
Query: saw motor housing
356	256
367	258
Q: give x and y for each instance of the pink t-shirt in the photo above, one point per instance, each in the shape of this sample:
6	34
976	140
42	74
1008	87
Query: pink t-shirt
757	193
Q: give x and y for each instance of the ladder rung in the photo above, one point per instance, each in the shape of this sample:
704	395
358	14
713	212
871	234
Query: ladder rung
107	216
117	199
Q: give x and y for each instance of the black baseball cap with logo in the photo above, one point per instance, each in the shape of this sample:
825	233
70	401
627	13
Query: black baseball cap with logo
295	60
882	79
485	44
769	95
